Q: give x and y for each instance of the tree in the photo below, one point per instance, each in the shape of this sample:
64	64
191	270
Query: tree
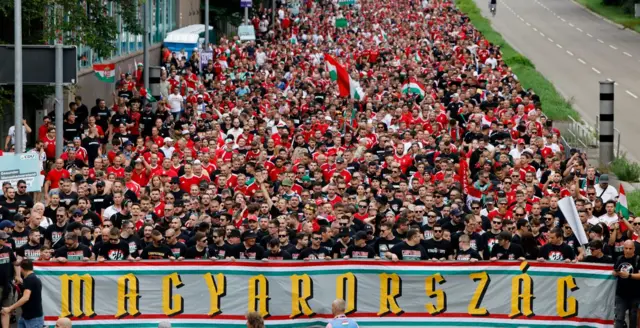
85	22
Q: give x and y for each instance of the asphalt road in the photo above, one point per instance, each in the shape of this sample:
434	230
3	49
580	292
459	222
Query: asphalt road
575	50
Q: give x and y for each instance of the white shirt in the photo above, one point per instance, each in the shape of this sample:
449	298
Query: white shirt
609	220
175	101
609	194
491	61
108	212
261	58
12	134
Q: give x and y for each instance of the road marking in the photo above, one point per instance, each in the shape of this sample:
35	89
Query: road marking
542	34
582	61
550	39
535	29
558	45
589	35
613	47
614	83
600	41
631	94
570	53
579	29
528	24
595	70
522	19
627	54
562	19
571	25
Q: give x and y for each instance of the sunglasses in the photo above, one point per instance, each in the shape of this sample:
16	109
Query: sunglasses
497	222
475	208
636	223
203	241
437	231
317	238
548	218
282	236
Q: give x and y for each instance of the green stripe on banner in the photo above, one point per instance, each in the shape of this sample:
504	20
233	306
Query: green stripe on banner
328	272
477	323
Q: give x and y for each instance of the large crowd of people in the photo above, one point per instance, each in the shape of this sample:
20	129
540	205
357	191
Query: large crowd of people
254	155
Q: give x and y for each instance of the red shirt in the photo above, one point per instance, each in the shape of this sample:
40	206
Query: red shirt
186	183
142	178
118	172
55	176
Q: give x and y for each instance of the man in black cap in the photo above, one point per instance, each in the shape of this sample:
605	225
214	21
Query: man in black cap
72	250
175	188
101	200
247	249
455	222
359	249
597	255
505	249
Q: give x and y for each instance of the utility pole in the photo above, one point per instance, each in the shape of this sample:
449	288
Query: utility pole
246	15
59	111
18	127
206	25
145	43
273	13
606	127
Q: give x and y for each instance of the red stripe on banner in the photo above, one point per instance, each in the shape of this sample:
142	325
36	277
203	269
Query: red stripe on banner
299	264
353	315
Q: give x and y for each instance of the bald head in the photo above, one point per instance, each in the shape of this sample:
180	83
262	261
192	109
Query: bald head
629	249
63	323
338	307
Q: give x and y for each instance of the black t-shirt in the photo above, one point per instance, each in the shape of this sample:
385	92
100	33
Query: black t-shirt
67	200
475	241
115	252
24	200
468	255
134	245
437	249
178	249
156	253
193	253
356	252
219	252
384	245
328	244
77	254
627	287
7	259
29	251
409	253
20	238
11	207
557	253
314	254
91	220
489	239
340	249
100	202
604	259
295	252
240	251
55	235
513	253
33	307
280	255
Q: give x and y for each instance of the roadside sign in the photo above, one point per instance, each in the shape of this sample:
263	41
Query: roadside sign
245	3
246	33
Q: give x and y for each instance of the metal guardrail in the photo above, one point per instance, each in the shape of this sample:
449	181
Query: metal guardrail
581	136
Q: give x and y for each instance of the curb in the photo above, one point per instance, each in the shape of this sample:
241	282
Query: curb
620	26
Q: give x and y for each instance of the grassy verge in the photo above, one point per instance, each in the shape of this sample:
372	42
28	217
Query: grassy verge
633	199
614	13
625	170
553	104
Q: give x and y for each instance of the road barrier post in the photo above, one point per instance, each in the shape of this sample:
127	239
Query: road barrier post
606	122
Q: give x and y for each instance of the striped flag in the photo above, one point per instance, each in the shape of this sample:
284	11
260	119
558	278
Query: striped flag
144	93
621	206
347	86
414	87
105	72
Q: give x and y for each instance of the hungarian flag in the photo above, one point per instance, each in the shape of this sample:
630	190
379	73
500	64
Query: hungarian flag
414	87
418	58
147	95
621	206
346	85
105	72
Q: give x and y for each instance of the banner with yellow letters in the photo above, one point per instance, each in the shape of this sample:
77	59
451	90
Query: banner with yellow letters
299	293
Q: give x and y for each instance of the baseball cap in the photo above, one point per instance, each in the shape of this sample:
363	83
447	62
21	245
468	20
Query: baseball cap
360	235
344	232
340	160
175	180
252	218
249	234
167	139
604	178
287	183
100	184
6	224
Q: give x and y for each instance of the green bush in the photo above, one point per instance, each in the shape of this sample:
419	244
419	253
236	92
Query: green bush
553	104
625	170
633	200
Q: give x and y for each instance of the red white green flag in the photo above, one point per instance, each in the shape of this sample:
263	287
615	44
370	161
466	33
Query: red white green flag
414	87
346	85
105	72
147	95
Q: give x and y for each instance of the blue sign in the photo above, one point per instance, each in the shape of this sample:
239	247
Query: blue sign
25	167
245	3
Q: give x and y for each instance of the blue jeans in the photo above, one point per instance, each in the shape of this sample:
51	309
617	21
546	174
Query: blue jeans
31	323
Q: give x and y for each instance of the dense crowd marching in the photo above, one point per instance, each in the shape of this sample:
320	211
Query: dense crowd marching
253	155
